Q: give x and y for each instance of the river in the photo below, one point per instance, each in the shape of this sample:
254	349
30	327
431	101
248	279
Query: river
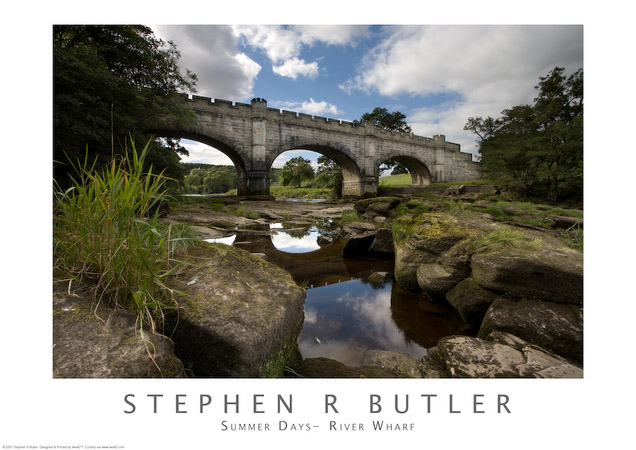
353	304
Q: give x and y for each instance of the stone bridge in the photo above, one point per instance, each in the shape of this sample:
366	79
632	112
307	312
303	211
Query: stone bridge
252	136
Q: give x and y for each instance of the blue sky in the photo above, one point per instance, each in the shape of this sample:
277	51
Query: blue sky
438	76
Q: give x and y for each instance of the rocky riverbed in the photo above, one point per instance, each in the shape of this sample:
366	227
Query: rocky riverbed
519	289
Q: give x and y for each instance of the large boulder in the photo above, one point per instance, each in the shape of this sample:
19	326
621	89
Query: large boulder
382	242
240	316
435	280
106	343
501	356
433	238
471	301
551	272
407	261
554	327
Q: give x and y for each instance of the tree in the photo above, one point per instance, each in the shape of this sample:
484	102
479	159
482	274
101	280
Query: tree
219	179
391	121
328	175
110	82
537	148
296	171
382	118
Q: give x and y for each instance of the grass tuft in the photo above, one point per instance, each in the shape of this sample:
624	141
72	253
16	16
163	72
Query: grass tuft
104	233
503	238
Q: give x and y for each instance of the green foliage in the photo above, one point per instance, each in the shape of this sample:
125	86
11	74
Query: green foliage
209	179
350	216
403	179
111	82
382	118
302	192
573	236
329	176
102	233
537	149
296	171
503	238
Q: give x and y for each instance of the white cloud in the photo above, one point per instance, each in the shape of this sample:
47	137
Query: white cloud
294	67
283	45
202	153
278	43
331	34
310	106
486	68
319	108
211	52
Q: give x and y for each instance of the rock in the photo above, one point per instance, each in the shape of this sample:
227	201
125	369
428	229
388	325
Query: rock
324	240
359	244
454	190
330	368
379	278
379	220
242	316
435	280
469	357
407	260
356	228
471	301
457	259
377	205
106	343
400	364
552	272
565	222
431	365
554	327
382	242
207	232
431	239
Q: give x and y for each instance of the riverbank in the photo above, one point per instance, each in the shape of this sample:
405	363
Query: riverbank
443	269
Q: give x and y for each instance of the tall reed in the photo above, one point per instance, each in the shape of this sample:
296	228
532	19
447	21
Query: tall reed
104	232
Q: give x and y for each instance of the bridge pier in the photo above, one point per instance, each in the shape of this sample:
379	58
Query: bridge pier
255	185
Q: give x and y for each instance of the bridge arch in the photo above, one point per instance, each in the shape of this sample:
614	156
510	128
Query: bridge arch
351	173
218	144
419	171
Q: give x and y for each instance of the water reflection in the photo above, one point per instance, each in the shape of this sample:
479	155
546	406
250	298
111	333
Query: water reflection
348	312
228	240
343	321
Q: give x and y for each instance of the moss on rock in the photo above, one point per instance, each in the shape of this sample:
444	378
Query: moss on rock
240	314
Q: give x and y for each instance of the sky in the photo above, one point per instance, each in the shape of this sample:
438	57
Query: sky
437	75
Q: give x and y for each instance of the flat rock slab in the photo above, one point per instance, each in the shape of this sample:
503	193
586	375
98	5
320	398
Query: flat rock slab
330	368
549	273
106	343
400	364
469	357
555	327
240	316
